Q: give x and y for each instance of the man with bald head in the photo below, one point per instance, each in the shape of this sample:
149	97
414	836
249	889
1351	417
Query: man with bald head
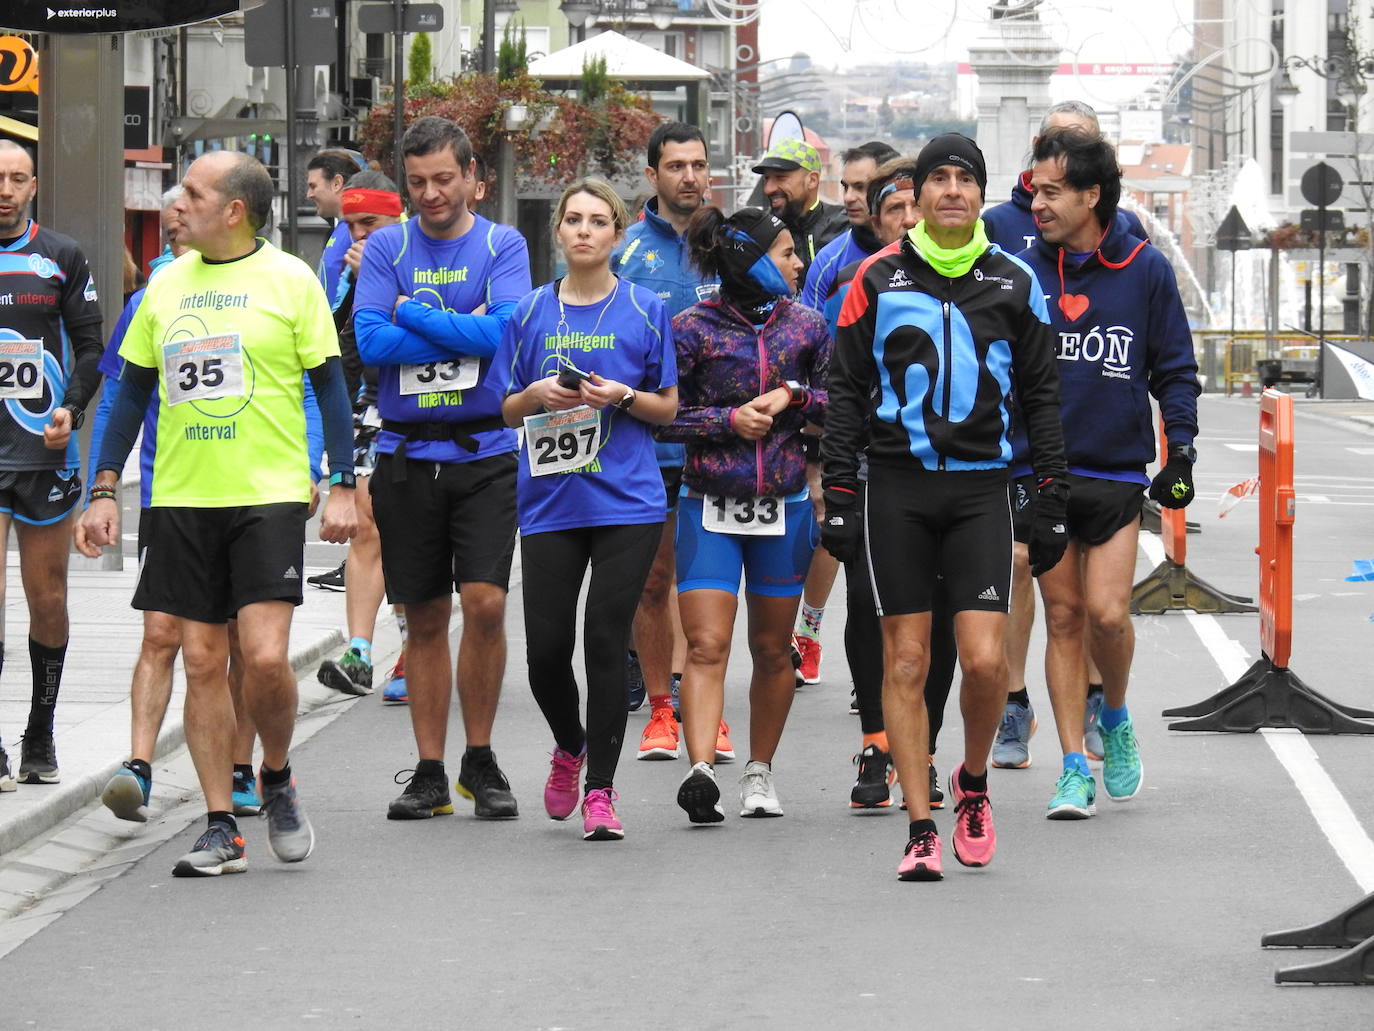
50	343
225	334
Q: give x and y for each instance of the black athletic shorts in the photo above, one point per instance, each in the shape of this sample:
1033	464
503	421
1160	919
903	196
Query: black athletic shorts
1022	507
444	525
921	524
39	497
672	484
1098	508
207	563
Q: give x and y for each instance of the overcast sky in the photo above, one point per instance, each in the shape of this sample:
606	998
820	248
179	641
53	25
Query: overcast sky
849	32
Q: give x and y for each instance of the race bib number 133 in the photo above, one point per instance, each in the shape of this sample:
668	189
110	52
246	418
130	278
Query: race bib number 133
756	517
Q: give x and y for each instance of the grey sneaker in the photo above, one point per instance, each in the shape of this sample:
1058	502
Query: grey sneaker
1011	751
126	795
757	796
1092	733
38	760
219	850
289	834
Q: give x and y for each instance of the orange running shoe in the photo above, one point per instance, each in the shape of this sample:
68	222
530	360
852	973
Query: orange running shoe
660	738
725	751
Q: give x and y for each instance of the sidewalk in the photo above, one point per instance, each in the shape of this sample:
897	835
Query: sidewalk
92	724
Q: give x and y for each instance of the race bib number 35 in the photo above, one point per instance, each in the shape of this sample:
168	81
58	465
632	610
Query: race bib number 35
21	369
756	517
203	368
451	374
560	442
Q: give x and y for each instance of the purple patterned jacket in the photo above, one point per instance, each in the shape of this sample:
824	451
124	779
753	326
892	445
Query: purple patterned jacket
724	362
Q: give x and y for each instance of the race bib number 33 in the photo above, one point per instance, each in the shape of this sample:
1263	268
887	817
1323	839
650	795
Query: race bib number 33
451	374
756	517
560	442
21	369
203	368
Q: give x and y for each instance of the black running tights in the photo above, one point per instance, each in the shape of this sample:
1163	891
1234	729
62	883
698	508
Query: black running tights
863	647
554	564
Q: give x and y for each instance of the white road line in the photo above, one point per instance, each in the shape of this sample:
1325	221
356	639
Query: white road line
1252	448
1328	806
1361	450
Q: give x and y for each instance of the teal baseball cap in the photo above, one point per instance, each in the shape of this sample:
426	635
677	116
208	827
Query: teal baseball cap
788	156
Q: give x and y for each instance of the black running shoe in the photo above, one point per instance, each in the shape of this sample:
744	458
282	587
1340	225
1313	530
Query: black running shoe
699	795
425	795
488	788
7	781
873	788
351	674
937	795
38	760
330	581
638	691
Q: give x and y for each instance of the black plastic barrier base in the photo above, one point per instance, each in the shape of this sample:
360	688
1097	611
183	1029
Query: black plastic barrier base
1348	928
1172	588
1353	967
1270	696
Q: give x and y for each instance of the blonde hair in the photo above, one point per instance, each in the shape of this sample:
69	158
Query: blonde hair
602	191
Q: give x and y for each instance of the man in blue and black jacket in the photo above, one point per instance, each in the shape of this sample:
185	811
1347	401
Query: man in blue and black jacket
931	334
1122	336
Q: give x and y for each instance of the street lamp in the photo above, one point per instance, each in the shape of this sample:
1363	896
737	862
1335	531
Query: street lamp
661	13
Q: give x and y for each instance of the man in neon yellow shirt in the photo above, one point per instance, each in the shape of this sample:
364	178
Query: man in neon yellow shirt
224	334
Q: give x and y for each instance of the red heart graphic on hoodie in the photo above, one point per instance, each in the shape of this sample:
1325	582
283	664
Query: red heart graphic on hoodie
1073	305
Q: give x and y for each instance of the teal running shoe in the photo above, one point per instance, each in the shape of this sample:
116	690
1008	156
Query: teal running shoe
1122	772
245	798
1074	797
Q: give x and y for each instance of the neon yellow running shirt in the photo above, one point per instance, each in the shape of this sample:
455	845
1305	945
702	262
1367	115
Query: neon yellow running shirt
230	342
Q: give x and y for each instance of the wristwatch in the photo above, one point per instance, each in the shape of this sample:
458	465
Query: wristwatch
343	480
627	402
799	394
1184	451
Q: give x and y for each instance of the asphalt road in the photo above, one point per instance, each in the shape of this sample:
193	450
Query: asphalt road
1147	916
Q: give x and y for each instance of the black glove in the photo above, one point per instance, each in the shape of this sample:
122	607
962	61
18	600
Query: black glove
1172	486
1050	526
841	530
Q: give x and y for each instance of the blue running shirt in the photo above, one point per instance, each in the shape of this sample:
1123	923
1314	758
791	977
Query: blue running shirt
627	338
446	281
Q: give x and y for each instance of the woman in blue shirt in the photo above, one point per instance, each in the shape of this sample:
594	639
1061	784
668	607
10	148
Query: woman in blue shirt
591	367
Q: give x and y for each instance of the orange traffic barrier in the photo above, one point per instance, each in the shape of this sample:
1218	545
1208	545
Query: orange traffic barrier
1270	694
1171	586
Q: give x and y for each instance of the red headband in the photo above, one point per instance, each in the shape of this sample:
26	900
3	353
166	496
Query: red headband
357	201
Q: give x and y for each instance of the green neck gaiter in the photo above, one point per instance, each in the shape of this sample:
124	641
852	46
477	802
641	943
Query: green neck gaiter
950	263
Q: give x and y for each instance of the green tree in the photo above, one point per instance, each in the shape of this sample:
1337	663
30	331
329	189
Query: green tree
512	55
421	59
595	83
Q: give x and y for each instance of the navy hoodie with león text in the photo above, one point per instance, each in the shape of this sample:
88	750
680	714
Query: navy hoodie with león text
1121	336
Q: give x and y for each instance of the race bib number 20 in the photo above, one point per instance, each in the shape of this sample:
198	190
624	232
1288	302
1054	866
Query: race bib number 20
21	369
203	368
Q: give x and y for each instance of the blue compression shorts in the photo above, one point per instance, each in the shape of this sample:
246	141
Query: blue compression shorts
772	566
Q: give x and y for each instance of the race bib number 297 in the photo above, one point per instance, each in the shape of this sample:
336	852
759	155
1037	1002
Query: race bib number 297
560	442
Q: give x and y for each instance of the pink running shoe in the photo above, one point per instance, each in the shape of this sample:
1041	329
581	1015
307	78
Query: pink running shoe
975	841
561	789
599	822
921	860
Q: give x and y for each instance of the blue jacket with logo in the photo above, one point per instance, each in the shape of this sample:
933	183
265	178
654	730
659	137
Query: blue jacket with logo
1121	335
839	253
1011	226
942	355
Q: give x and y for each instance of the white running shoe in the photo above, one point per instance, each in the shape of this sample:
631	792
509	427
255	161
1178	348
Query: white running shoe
757	796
